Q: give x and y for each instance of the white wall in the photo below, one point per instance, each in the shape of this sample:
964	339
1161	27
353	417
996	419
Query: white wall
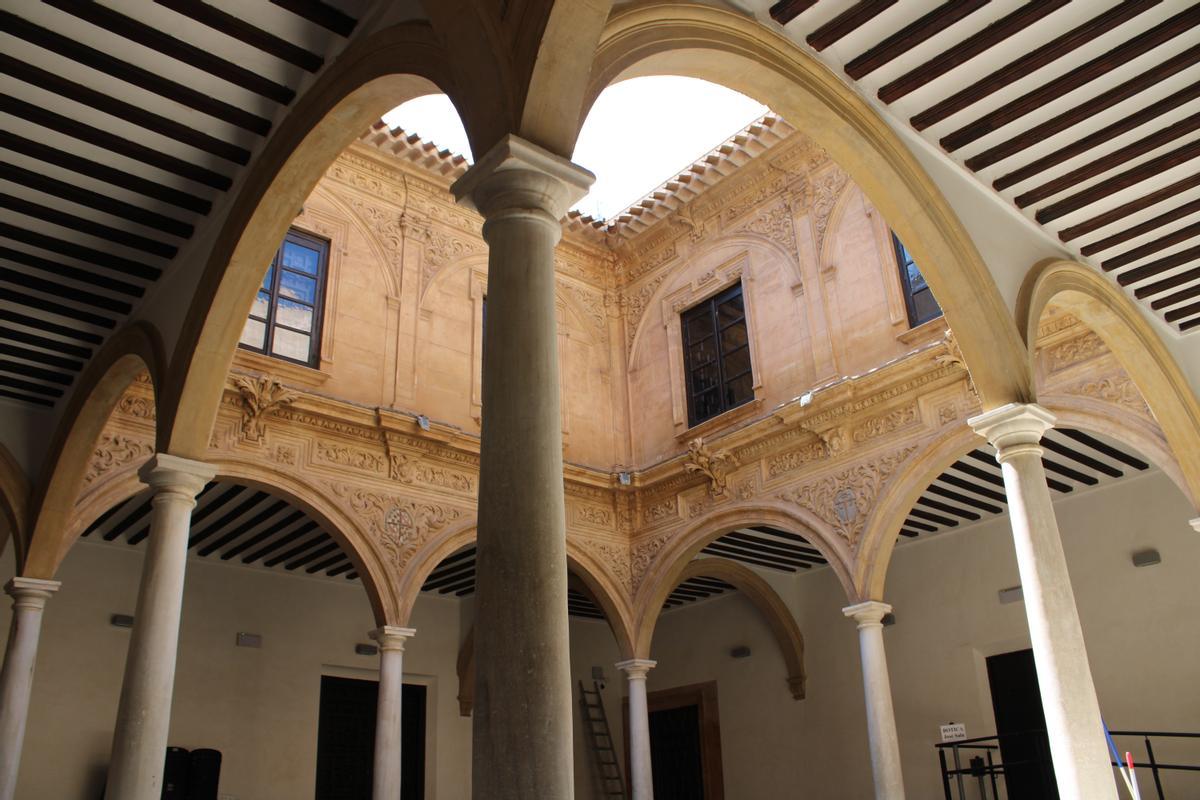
260	706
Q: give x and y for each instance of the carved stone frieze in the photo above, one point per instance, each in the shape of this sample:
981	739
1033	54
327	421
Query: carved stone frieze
1074	351
1115	388
661	511
892	421
113	451
644	551
635	303
259	397
348	456
776	224
795	459
136	405
613	555
369	177
827	188
592	515
399	525
442	248
845	499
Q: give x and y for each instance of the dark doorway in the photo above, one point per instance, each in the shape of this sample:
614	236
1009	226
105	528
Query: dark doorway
346	740
1021	726
685	743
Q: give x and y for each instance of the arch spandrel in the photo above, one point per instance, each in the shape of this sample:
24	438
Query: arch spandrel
372	76
735	51
133	351
1116	320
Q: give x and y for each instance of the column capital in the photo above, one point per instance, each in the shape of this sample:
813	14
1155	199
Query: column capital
1013	424
517	176
165	472
31	591
636	668
392	637
869	613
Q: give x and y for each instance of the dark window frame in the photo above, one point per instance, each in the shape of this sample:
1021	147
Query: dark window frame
914	294
275	271
706	310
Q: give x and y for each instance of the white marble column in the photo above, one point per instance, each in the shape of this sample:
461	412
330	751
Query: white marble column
1077	745
135	770
881	718
522	721
16	680
388	731
641	772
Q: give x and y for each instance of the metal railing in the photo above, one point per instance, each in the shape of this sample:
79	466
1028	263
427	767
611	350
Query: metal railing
977	763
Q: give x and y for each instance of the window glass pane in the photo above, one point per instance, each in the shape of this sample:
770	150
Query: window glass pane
262	301
731	310
254	334
698	326
297	287
916	281
925	306
294	315
266	284
702	352
290	344
704	378
301	258
737	362
706	405
738	391
733	337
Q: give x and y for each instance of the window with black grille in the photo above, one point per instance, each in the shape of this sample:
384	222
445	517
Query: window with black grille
285	320
918	297
716	351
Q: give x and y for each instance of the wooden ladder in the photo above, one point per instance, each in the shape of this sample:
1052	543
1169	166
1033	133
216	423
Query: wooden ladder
595	722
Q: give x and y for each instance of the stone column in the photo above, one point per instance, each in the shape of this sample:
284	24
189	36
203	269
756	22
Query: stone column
1077	745
16	680
641	773
881	718
135	770
388	731
522	721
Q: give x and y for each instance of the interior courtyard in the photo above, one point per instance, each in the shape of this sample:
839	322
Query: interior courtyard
858	456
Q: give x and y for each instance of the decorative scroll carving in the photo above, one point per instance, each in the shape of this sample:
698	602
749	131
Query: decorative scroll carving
1116	389
259	397
826	191
132	405
442	248
1074	351
592	304
664	509
346	456
613	555
795	459
644	553
635	306
713	464
285	454
844	500
400	526
113	451
594	516
887	423
776	225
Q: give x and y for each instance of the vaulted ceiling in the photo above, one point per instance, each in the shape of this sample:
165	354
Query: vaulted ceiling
1085	116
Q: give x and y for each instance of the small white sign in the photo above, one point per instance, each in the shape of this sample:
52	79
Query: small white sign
953	732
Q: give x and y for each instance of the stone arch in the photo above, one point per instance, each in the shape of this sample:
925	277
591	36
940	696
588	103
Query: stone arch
736	51
129	352
1112	316
14	503
369	78
662	573
768	603
604	586
368	560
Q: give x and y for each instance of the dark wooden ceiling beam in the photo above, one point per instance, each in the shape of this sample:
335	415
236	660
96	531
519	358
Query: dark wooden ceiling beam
70	273
321	566
936	519
967	486
323	14
1159	165
765	549
64	291
46	326
785	545
105	517
911	35
27	391
134	115
962	498
128	521
319	540
995	33
243	529
225	519
140	33
1081	458
847	22
244	32
33	340
338	570
36	372
88	255
1081	145
78	224
133	75
15	294
1191	323
1159	266
785	11
1068	472
946	508
103	173
1132	207
1175	299
920	526
312	555
1086	439
778	562
113	143
264	535
1151	247
1166	284
1182	313
1081	36
1076	78
1102	164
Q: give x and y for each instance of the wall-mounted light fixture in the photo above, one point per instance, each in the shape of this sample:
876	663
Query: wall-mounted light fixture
423	422
741	651
1013	594
121	620
889	619
1146	558
366	649
249	639
625	478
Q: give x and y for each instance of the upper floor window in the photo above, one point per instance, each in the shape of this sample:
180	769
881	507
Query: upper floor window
918	297
285	320
716	350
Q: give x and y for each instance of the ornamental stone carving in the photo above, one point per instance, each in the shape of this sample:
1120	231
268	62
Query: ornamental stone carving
890	422
1074	351
795	459
400	526
635	307
1116	389
260	396
845	500
712	464
776	225
614	556
115	450
643	554
826	191
346	456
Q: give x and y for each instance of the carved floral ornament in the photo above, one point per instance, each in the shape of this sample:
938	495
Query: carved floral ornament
260	396
713	464
399	525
